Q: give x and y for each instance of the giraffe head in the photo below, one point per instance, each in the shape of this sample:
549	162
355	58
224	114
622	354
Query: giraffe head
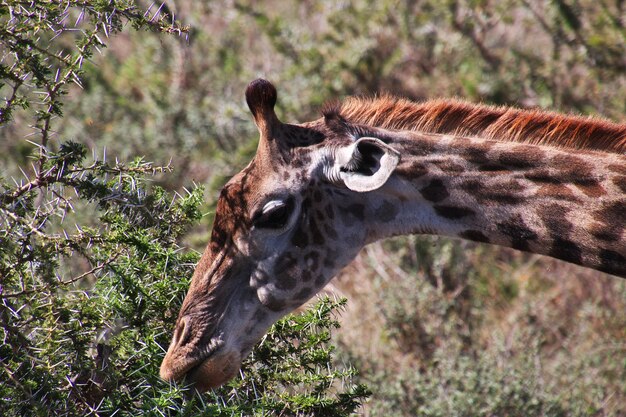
284	226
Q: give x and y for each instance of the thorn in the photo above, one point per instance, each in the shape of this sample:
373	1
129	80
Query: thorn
80	17
157	12
148	11
23	173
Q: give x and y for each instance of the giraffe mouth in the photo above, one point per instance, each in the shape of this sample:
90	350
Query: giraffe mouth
176	368
210	368
215	370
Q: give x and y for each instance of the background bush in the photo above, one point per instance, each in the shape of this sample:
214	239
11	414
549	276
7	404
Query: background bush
92	234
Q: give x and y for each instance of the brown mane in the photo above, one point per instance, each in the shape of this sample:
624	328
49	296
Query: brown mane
489	122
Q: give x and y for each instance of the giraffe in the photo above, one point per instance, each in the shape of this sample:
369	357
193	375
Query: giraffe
315	193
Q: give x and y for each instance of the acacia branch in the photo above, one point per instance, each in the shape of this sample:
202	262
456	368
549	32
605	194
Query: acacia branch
9	102
77	278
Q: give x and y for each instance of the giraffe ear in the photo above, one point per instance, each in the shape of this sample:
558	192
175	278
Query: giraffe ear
367	164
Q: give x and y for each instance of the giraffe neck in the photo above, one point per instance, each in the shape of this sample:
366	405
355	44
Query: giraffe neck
562	203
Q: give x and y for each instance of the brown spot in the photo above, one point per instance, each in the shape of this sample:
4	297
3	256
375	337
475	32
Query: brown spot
435	191
285	270
319	281
612	262
475	155
556	191
620	169
620	182
448	166
297	163
452	212
306	275
286	282
578	173
317	196
494	169
567	250
542	176
500	192
306	158
569	161
604	232
504	192
423	146
593	189
474	235
330	232
613	215
519	233
286	176
473	187
219	235
413	171
318	237
553	217
386	212
357	210
522	157
300	238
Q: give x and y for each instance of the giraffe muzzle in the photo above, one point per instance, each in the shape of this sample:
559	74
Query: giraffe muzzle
210	368
215	370
193	359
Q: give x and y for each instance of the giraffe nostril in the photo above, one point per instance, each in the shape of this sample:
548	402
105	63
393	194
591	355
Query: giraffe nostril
183	331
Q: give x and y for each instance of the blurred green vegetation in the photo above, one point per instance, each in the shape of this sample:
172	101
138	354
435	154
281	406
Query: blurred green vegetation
437	327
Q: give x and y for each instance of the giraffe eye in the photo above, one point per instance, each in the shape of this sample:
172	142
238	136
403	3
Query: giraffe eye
275	214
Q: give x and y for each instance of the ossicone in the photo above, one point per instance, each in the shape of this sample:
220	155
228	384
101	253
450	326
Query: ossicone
333	119
261	98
